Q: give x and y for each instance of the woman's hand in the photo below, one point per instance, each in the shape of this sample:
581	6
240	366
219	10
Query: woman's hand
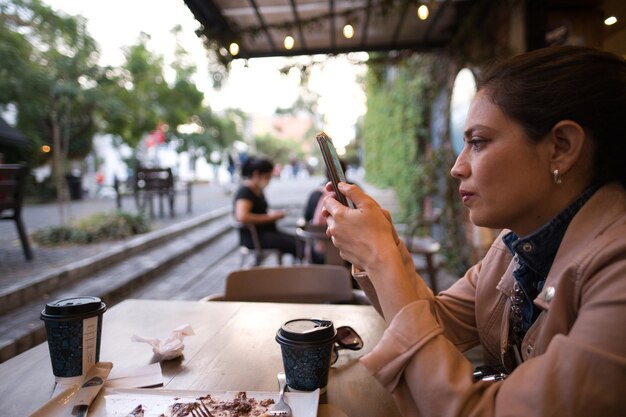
363	235
366	238
276	215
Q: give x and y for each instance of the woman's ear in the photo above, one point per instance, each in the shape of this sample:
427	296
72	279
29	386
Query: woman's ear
570	144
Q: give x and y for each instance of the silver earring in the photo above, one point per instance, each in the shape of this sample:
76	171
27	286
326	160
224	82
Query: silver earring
557	176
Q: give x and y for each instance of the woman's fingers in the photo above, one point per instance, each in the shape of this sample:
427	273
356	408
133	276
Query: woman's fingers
352	192
358	232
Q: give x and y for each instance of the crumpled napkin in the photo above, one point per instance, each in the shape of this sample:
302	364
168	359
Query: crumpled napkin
170	347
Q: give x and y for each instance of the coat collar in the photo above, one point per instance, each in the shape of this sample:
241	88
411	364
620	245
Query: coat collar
600	211
603	209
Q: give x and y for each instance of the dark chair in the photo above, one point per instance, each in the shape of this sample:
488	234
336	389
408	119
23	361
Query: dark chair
12	186
154	182
259	253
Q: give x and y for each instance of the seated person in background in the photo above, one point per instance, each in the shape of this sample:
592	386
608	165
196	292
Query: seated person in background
543	160
311	203
252	208
315	196
313	215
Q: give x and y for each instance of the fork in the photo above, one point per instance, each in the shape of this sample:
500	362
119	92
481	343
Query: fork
201	411
281	408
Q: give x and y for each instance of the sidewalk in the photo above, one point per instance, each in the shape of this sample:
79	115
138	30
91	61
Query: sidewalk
206	197
14	267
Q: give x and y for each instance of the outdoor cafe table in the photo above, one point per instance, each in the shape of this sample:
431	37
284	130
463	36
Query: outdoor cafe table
233	349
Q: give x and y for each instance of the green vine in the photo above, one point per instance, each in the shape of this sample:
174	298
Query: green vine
398	151
395	129
401	90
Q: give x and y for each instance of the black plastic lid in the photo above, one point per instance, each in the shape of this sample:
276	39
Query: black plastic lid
73	308
307	330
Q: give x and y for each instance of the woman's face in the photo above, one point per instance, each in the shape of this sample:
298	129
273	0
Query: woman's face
264	180
505	177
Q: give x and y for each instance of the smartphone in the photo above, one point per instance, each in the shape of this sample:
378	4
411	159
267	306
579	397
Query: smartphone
335	172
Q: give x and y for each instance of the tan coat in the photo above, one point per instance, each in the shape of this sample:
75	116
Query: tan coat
574	354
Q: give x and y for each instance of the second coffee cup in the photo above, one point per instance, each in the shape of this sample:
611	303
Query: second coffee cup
307	346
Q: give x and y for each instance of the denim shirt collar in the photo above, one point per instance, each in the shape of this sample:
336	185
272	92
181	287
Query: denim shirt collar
538	249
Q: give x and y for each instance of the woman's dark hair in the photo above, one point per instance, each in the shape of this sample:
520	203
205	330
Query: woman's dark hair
260	165
540	88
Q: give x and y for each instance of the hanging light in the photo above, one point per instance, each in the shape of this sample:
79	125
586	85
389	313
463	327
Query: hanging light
610	20
422	12
348	31
45	148
289	42
233	48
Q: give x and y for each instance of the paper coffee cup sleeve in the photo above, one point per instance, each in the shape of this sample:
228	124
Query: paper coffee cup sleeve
169	348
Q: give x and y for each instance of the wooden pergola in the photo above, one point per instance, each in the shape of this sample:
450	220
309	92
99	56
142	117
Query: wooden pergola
259	27
263	28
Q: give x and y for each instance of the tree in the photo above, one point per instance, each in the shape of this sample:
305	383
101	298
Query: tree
138	98
133	107
279	150
48	67
49	72
183	100
212	133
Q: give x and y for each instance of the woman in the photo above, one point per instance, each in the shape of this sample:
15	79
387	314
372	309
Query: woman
252	208
544	142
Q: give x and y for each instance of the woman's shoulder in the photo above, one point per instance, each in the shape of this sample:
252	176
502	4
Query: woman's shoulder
597	233
598	218
244	192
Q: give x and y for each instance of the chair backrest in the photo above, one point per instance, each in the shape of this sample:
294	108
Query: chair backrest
154	179
290	284
12	186
422	225
252	230
257	250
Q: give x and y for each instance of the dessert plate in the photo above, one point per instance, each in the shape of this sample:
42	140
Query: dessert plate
118	402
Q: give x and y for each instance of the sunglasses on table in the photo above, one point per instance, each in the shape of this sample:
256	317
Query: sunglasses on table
347	338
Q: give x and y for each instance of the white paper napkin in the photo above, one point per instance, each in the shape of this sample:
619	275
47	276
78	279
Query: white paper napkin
130	377
135	377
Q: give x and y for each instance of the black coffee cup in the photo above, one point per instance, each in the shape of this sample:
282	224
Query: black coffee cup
74	329
307	346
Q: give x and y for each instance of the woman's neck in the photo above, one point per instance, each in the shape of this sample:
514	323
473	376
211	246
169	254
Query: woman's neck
253	185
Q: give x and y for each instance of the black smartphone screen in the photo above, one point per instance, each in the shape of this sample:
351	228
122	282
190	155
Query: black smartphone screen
331	159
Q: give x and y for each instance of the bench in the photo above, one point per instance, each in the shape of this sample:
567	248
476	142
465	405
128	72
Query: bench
12	186
150	183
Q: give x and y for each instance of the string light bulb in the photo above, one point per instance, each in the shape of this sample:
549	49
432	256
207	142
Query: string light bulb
422	12
45	148
348	31
610	20
233	48
289	42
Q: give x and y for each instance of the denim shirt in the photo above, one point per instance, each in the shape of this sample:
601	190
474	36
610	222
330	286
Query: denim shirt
535	253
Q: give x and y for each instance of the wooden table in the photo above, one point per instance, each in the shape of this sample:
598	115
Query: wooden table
233	349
